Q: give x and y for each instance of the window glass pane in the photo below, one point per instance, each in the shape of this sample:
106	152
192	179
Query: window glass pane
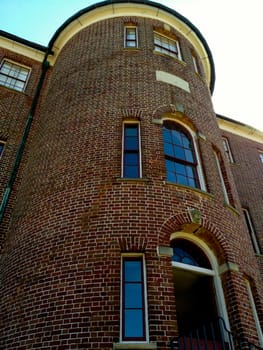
133	323
131	143
167	136
177	140
170	165
131	159
132	271
131	172
133	296
182	180
131	130
168	149
171	177
180	169
179	153
189	156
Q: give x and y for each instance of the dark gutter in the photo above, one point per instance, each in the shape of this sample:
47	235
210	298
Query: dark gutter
143	2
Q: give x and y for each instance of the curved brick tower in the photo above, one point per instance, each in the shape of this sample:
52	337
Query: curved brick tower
126	229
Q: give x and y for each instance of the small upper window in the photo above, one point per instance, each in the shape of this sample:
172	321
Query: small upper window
166	45
196	63
13	75
180	158
2	146
227	150
131	37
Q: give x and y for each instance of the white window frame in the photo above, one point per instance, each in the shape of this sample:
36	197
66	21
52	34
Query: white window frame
2	143
123	150
135	255
166	51
255	314
126	40
223	185
261	156
14	78
251	231
196	151
213	272
227	150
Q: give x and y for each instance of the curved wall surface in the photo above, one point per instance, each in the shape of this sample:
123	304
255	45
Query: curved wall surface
78	219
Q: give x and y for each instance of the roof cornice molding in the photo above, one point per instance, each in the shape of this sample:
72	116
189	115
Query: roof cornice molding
23	47
240	129
149	9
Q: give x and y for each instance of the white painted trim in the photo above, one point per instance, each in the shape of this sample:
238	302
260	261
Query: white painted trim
214	272
172	79
255	314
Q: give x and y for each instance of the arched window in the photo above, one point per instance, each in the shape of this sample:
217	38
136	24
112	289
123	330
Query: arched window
180	157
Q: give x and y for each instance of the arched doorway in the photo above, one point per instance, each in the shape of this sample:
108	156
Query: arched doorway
198	294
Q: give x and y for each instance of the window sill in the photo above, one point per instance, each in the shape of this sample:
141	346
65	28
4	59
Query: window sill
134	346
190	188
132	180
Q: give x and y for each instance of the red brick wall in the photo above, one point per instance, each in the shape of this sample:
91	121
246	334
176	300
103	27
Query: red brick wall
74	215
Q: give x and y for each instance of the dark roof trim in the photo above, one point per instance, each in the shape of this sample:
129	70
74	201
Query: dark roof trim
231	120
143	2
23	41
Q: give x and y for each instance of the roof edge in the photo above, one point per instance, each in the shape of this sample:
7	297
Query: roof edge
143	2
22	41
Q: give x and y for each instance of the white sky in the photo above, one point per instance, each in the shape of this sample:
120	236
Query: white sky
232	28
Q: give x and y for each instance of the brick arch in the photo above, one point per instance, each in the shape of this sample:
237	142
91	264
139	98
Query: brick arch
132	244
205	230
130	113
175	112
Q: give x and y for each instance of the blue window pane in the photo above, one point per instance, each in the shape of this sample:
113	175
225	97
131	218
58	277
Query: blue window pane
168	149
186	142
131	130
131	172
170	165
133	296
192	182
131	159
179	153
132	271
167	136
180	169
182	180
131	143
171	177
133	323
189	156
177	138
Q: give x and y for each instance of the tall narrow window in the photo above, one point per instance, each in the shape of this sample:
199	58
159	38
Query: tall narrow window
251	231
2	146
131	37
166	45
133	299
180	158
227	150
223	179
261	156
13	75
131	151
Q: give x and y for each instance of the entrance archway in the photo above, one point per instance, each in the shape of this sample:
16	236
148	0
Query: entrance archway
198	291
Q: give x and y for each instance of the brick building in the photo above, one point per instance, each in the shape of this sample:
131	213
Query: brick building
131	214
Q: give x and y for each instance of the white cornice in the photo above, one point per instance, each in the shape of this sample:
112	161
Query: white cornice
239	129
21	49
129	9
